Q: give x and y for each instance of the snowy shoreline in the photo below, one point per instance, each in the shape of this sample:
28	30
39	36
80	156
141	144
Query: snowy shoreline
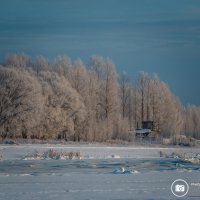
103	172
95	151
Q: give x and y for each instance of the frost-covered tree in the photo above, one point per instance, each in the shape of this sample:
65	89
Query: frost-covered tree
108	97
192	119
17	60
62	65
40	64
142	87
63	106
124	92
72	101
19	102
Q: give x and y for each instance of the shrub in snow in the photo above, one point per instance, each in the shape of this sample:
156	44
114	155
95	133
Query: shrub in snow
175	155
163	154
115	156
9	142
190	157
35	156
53	154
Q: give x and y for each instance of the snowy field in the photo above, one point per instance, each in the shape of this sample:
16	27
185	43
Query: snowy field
103	172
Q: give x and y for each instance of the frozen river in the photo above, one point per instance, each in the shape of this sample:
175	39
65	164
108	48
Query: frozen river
94	177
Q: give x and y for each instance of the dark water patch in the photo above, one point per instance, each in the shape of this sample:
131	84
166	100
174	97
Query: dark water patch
93	166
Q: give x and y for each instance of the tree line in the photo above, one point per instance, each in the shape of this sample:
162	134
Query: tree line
61	99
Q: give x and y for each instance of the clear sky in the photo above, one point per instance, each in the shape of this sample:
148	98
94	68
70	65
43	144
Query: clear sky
161	36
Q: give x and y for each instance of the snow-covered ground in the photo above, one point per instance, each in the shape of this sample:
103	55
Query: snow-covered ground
94	175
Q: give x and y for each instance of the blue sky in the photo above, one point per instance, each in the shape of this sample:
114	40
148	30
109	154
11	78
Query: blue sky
151	35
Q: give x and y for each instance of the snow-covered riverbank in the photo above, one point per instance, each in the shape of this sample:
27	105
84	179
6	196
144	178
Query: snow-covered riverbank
92	177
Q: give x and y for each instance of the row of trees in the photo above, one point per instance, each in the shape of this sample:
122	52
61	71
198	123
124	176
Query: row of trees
68	100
